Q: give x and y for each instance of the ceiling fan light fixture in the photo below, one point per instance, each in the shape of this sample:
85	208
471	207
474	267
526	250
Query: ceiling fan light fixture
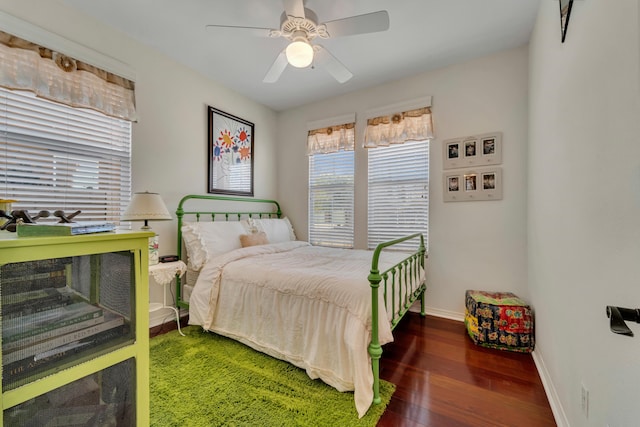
299	53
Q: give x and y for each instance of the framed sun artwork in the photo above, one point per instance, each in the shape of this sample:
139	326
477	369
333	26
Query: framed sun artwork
230	154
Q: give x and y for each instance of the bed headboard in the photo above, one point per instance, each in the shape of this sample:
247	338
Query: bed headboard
197	208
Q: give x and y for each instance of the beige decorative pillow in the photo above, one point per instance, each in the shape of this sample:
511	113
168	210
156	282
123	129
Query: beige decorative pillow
254	239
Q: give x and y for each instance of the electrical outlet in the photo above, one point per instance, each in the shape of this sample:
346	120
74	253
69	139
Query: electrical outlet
585	400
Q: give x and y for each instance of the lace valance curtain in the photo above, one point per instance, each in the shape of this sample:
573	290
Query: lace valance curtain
412	125
57	77
331	139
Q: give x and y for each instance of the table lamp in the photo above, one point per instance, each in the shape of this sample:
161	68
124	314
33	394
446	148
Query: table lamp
147	207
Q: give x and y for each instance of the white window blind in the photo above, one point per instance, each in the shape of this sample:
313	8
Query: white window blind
54	157
331	199
398	198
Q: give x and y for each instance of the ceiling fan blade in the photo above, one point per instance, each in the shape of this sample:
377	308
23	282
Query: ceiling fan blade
359	24
331	64
256	31
294	8
276	69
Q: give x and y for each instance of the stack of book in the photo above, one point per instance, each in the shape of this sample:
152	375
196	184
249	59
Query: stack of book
25	303
22	277
64	229
45	324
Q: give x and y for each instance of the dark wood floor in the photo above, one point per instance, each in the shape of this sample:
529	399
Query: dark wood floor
444	380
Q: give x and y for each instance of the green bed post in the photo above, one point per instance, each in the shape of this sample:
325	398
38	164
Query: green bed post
375	349
179	215
422	252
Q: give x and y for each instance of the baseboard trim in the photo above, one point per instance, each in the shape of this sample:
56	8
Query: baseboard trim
168	326
550	390
158	318
451	315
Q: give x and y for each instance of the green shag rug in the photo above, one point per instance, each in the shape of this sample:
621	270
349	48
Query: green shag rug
205	379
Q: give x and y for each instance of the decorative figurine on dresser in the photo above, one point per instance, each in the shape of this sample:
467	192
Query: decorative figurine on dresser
23	217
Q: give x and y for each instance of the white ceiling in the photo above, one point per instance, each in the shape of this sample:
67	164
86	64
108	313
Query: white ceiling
423	35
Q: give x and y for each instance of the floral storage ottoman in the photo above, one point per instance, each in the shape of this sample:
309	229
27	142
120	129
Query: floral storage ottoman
499	320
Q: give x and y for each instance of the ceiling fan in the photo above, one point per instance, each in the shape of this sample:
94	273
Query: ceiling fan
300	26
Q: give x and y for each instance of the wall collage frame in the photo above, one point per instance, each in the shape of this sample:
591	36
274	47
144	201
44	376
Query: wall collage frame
470	168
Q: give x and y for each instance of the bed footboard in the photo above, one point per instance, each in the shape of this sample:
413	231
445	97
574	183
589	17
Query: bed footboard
402	285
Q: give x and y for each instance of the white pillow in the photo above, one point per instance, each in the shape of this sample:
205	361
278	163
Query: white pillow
277	229
205	240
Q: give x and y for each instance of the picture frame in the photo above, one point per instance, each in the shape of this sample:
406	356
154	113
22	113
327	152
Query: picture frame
477	150
565	13
470	148
452	151
230	154
473	185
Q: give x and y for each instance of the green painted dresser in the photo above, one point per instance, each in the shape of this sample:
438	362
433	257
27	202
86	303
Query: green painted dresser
75	329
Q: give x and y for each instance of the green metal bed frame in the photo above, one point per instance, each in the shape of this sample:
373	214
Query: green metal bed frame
402	283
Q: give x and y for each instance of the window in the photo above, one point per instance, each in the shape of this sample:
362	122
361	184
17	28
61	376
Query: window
331	199
55	157
398	198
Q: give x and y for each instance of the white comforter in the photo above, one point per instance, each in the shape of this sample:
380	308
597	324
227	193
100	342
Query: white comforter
310	306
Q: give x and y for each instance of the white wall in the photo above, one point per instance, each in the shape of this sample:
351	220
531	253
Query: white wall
584	206
169	153
471	244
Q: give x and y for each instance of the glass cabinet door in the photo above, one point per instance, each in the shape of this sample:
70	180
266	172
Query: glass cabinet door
59	312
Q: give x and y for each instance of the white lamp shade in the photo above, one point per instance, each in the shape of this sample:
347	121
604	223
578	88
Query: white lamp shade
299	54
146	207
